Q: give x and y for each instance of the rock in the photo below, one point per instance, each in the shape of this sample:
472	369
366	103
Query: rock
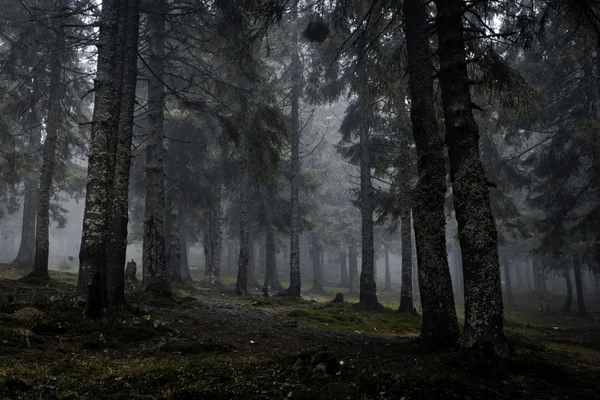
339	298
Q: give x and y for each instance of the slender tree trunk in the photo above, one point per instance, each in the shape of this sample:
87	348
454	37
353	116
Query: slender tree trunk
567	275
206	246
315	254
42	241
186	276
508	291
439	326
368	286
406	296
296	67
93	251
343	269
578	286
484	314
26	253
117	240
174	205
540	286
271	275
155	276
388	277
352	269
241	286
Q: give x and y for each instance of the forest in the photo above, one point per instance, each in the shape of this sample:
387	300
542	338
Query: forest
299	199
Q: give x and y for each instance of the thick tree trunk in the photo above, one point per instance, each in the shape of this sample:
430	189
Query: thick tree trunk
508	290
117	240
155	276
368	286
484	314
440	326
26	253
406	295
578	286
296	67
343	269
352	269
241	286
567	275
93	252
388	277
42	241
540	286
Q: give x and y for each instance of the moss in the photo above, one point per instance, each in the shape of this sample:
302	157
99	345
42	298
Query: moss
195	347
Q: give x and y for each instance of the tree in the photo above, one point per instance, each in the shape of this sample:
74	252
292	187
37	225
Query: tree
484	321
440	327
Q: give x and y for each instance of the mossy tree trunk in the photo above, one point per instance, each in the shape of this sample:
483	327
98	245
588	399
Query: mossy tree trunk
484	312
296	71
155	276
241	286
439	326
316	252
388	276
406	293
93	252
174	203
186	276
352	269
368	286
117	239
26	253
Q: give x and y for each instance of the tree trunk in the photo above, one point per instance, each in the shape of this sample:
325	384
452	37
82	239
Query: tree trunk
155	277
42	241
174	205
439	326
93	252
484	314
406	296
271	275
25	256
117	240
508	290
569	298
540	286
352	269
578	286
315	254
206	246
388	277
368	287
186	276
241	286
343	269
296	67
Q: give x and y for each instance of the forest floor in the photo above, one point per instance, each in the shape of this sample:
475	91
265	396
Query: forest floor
211	344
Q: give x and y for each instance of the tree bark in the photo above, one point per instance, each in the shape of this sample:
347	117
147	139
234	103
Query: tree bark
484	314
540	286
406	296
569	298
316	251
439	326
578	286
26	253
93	251
53	121
296	67
368	286
241	286
271	275
117	240
155	277
343	269
508	290
174	206
186	276
352	269
388	277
